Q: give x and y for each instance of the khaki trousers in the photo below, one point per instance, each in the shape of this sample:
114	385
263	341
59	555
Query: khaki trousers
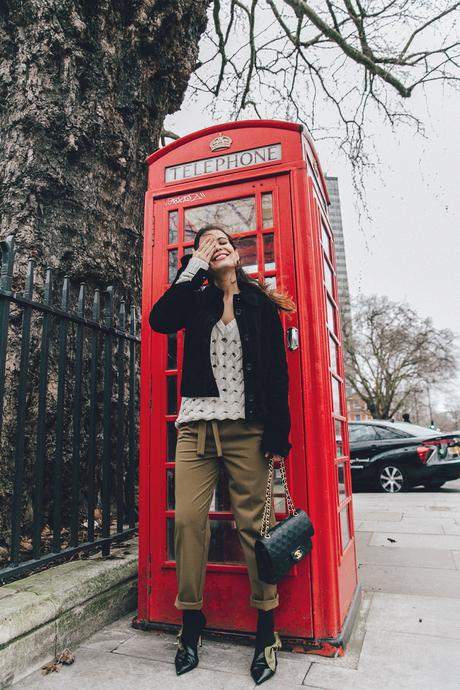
201	447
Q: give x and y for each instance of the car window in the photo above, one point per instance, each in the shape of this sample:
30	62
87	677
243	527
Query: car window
384	432
415	429
361	432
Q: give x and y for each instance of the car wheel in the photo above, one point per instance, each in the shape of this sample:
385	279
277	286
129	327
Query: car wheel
391	478
434	485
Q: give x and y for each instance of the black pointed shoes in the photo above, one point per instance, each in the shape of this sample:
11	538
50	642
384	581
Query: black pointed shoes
188	638
264	662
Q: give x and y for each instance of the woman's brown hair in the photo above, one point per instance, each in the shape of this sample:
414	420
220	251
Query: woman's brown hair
281	299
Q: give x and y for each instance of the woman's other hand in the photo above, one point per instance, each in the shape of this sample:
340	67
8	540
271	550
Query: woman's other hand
206	249
270	456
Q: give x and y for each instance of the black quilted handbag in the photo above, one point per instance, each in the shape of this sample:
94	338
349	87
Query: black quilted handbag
279	548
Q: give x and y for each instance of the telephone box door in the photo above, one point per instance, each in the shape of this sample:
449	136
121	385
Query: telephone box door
258	215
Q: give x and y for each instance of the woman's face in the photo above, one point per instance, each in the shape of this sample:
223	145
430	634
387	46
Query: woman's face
225	256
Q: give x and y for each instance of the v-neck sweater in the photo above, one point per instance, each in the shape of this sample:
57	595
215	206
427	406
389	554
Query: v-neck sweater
227	365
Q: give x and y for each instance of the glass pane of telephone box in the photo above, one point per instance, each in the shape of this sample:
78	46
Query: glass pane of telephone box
341	481
328	277
173	218
171	406
333	352
172	351
271	280
171	440
345	527
234	215
267	210
325	241
269	252
225	544
170	486
338	439
247	251
170	539
172	265
336	396
331	316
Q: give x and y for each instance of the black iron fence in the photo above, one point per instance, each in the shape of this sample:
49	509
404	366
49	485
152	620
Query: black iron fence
68	420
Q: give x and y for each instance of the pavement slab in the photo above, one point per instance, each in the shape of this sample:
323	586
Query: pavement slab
387	515
427	541
418	615
392	660
94	670
107	640
411	558
452	529
403	580
404	526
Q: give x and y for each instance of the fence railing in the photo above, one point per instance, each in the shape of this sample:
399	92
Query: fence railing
68	421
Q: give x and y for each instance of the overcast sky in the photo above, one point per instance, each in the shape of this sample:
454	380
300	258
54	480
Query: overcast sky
409	249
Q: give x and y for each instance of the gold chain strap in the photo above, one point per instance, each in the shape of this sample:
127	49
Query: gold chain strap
264	530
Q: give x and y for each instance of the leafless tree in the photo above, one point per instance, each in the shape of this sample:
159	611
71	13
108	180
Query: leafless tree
449	420
291	57
392	353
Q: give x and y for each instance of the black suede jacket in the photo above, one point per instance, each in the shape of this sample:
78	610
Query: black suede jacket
197	308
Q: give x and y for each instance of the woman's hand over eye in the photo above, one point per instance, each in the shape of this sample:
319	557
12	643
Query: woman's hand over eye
206	249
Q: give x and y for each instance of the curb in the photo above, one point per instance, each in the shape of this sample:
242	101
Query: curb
60	607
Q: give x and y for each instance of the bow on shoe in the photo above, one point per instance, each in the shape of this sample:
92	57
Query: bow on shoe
270	652
264	664
179	641
187	655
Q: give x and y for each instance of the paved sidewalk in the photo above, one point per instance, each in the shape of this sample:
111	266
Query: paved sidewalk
407	636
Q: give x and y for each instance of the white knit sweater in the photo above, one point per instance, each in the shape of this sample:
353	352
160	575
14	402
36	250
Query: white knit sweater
227	365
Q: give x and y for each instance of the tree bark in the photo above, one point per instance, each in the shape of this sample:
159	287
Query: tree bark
84	89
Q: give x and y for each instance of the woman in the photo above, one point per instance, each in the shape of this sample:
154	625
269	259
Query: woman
234	410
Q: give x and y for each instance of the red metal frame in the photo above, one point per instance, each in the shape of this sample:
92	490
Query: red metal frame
317	597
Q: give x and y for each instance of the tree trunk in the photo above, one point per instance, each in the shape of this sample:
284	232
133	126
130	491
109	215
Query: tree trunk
84	90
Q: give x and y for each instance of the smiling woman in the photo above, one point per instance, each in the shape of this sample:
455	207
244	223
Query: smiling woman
235	377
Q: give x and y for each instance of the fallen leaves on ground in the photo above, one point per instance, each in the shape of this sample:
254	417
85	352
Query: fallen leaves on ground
66	657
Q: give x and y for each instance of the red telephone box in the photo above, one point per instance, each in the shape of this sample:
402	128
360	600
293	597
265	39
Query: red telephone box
262	181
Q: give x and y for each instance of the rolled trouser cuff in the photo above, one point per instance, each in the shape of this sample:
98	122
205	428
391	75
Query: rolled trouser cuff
264	604
188	605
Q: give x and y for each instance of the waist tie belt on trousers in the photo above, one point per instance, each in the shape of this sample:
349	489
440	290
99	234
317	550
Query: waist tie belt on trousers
201	442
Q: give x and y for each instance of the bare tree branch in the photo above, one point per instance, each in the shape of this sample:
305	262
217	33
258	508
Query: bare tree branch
292	56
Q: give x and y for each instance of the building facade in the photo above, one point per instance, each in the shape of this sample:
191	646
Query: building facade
356	408
335	216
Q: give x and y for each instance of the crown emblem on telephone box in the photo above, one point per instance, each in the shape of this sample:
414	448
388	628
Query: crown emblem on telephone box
220	142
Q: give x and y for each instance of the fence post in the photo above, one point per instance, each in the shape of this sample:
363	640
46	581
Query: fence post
74	520
6	279
41	422
63	326
108	322
21	418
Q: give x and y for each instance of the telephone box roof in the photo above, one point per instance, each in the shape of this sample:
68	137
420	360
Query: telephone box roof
240	124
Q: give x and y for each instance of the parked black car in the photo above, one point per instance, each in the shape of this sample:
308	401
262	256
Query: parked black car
392	456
